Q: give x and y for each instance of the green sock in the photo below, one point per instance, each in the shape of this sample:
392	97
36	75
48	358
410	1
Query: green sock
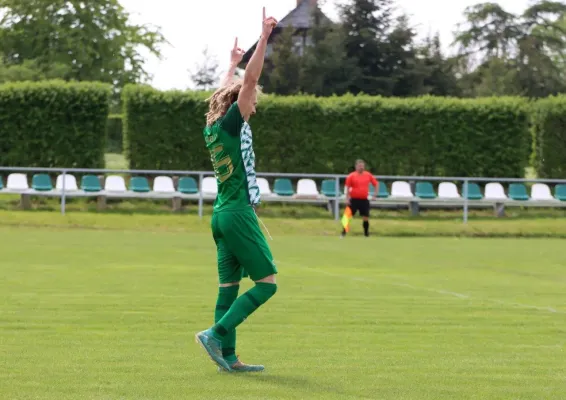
243	307
226	297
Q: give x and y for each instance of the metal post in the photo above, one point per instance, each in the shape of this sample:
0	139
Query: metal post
200	196
337	200
63	197
465	201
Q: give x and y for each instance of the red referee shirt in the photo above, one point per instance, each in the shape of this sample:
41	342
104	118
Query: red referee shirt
358	184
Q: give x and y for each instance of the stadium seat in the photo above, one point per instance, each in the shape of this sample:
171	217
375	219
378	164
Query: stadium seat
328	188
41	183
17	182
447	191
541	192
139	184
474	191
163	184
401	189
188	185
209	186
560	192
263	185
70	183
115	183
383	191
494	191
425	190
518	191
90	183
283	187
1	184
307	188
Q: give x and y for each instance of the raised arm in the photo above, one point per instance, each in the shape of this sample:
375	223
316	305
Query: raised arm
236	56
247	95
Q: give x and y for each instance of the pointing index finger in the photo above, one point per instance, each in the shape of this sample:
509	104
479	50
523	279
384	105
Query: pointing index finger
236	43
264	15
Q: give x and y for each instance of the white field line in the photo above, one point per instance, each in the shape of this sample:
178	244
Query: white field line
461	296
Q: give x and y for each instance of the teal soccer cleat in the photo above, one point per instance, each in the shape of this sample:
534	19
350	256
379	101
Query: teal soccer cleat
239	366
213	347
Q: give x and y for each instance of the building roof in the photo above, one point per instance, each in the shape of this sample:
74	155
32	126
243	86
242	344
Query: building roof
299	18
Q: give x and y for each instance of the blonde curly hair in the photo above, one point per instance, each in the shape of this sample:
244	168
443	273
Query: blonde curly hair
222	99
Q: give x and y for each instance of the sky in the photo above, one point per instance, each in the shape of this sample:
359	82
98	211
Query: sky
191	25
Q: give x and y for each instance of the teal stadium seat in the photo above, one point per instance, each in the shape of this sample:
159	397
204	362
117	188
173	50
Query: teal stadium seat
41	183
518	191
90	183
474	191
139	184
383	191
328	188
1	184
560	192
283	187
188	185
425	190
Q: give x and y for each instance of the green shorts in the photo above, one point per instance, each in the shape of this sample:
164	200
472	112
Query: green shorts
241	246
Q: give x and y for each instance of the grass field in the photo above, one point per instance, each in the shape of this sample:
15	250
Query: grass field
110	313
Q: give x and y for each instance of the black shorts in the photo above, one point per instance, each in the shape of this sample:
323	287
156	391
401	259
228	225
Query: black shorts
360	205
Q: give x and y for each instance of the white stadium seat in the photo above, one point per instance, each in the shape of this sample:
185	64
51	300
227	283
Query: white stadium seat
263	185
448	190
401	189
541	192
70	183
115	183
307	188
17	182
163	184
209	186
495	191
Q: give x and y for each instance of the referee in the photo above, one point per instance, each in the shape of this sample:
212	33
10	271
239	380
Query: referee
357	193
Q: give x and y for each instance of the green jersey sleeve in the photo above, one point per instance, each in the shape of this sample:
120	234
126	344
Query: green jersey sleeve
233	121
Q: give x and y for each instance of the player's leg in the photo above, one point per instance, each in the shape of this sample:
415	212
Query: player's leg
364	212
229	276
247	242
222	351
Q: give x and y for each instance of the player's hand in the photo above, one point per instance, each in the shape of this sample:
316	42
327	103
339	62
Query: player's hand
236	54
268	25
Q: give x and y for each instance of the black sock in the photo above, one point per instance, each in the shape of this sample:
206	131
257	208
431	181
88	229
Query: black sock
343	232
366	228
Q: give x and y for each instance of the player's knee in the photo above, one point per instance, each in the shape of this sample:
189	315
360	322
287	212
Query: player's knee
268	290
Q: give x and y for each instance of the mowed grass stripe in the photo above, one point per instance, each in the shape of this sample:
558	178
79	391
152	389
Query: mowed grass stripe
111	314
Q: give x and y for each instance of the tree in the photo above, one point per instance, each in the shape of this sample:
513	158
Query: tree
440	78
206	73
30	71
327	69
95	39
514	54
283	74
406	69
367	25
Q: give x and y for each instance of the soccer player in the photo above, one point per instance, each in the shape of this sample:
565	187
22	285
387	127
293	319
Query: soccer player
240	243
357	193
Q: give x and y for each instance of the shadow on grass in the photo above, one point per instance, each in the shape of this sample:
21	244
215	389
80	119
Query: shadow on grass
300	383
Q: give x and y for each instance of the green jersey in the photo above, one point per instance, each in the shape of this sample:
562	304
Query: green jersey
229	141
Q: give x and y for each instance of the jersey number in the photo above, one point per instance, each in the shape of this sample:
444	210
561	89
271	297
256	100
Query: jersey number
223	167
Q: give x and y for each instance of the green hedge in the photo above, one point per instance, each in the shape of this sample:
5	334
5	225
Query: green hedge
549	137
421	136
163	130
53	124
114	139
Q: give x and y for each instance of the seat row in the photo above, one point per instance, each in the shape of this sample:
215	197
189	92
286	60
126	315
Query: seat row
163	186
